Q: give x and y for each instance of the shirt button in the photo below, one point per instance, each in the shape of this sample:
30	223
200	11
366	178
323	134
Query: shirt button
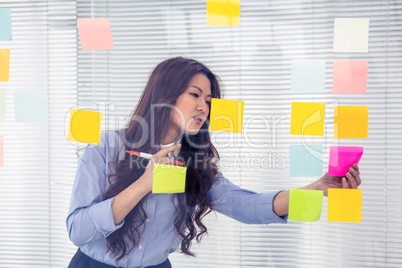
140	246
147	220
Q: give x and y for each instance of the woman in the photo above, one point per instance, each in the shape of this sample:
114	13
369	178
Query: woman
116	220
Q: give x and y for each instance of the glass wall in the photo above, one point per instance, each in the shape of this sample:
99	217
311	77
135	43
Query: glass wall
254	62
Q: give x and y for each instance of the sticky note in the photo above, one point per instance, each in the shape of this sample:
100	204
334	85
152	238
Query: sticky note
4	65
1	151
351	35
307	118
223	12
30	107
168	179
345	205
350	122
227	115
349	76
341	158
308	75
305	205
5	24
95	34
85	126
305	160
2	105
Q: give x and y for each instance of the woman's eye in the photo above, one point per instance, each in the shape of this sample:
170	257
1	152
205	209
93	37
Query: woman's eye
194	95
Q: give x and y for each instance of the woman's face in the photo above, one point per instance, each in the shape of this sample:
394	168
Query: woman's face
192	107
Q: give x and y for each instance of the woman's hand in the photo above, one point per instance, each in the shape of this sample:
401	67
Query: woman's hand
161	158
126	200
350	181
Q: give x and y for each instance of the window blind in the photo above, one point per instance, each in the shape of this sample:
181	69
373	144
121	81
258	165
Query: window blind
24	179
254	63
62	96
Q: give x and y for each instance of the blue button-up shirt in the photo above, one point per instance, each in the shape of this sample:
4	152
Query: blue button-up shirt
90	218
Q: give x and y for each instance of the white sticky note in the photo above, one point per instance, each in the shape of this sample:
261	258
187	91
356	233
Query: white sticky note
351	35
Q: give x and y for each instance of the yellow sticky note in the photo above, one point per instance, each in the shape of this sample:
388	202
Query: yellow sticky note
223	13
227	115
305	205
345	205
4	65
168	179
350	122
307	118
85	126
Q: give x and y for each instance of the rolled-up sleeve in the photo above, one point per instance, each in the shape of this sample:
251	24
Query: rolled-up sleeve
90	217
241	204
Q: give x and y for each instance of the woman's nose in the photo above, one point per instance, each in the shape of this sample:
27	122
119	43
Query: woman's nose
202	106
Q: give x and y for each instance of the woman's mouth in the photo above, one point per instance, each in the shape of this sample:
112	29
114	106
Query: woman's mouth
198	119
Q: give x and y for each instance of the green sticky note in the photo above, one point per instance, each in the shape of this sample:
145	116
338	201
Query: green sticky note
2	105
305	205
168	179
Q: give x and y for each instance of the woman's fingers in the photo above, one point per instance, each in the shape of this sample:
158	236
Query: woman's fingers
356	174
170	161
345	184
160	157
351	180
356	166
167	150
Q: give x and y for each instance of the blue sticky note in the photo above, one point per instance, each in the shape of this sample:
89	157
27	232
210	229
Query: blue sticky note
308	75
305	160
5	24
30	107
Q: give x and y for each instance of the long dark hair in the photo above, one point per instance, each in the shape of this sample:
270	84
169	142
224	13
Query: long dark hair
153	113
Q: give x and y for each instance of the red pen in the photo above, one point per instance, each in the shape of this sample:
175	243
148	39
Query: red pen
148	156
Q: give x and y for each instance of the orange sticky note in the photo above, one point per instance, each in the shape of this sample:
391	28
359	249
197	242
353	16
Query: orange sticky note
85	126
345	205
307	118
227	115
350	122
1	151
223	12
95	34
349	76
4	65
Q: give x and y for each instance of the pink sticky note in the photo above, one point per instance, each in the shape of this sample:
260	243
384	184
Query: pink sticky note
95	34
1	151
341	158
349	76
